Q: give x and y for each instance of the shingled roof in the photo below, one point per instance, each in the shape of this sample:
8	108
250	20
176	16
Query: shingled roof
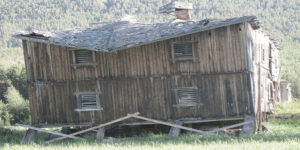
125	34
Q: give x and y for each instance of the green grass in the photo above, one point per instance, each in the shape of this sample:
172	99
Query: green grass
284	134
288	108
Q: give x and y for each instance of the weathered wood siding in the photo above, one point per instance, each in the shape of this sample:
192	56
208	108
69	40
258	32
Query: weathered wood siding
141	79
265	69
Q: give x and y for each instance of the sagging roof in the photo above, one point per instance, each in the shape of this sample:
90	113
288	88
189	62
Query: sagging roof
125	34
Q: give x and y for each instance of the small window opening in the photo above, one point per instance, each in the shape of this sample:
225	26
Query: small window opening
88	101
187	96
83	57
183	51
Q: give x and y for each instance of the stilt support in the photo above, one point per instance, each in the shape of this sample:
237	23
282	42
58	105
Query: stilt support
100	133
248	129
29	136
174	132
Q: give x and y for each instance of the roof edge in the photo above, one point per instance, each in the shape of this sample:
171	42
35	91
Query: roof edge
53	43
209	26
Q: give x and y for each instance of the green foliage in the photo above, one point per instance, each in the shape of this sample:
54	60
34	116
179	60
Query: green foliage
13	74
4	114
13	107
290	62
288	108
4	84
10	57
17	75
17	106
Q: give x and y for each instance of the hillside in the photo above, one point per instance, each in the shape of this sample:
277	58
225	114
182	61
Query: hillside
279	17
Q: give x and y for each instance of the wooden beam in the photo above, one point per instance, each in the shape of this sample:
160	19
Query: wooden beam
212	120
173	125
229	127
47	131
96	127
146	77
188	121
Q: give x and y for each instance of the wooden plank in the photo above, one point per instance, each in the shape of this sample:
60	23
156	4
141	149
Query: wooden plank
229	127
93	128
47	131
173	125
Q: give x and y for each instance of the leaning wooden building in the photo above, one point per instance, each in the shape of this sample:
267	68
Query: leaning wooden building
185	70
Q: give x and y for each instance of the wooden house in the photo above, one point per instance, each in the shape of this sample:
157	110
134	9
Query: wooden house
185	70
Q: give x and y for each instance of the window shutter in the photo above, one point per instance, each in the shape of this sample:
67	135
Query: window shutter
83	57
188	96
88	101
183	50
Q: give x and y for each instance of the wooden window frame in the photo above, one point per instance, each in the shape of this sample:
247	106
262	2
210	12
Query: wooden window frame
183	42
74	64
99	108
178	104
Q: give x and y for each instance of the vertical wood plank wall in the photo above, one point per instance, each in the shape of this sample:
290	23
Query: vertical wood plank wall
141	79
265	59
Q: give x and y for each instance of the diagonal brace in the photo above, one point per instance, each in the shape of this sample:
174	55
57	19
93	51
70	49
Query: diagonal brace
93	128
47	131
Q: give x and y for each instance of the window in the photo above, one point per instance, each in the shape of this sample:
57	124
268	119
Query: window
88	101
187	96
183	51
83	57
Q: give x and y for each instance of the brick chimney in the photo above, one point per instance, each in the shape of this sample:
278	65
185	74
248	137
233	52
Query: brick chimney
182	10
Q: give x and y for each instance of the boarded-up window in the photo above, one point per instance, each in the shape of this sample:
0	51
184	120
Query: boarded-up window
83	57
187	96
183	51
88	101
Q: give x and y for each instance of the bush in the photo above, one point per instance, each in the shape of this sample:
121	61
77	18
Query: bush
4	114
17	75
17	106
4	84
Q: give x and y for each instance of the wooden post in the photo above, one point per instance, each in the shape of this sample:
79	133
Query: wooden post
174	132
29	136
248	129
259	112
100	133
